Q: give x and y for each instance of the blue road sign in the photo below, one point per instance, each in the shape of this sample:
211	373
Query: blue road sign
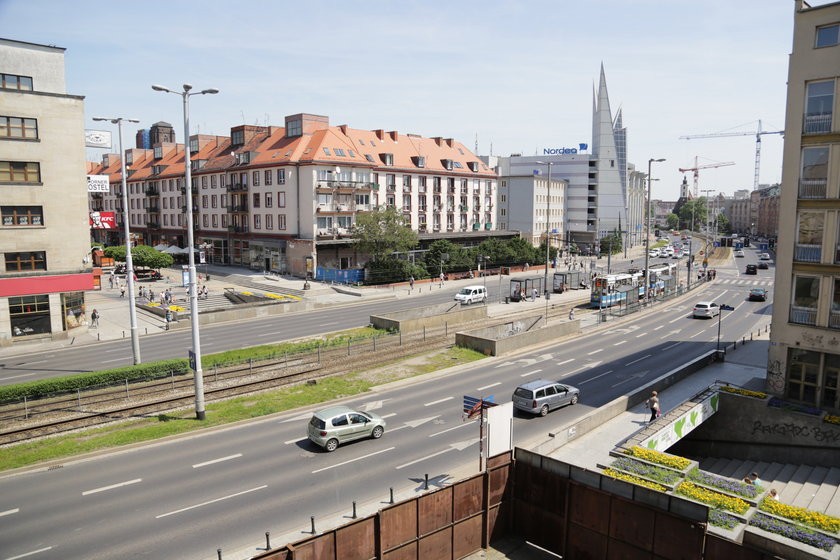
192	360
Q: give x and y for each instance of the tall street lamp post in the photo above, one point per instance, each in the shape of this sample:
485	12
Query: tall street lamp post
129	264
193	289
547	226
647	231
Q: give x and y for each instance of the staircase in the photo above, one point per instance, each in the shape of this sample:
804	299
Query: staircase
815	488
245	281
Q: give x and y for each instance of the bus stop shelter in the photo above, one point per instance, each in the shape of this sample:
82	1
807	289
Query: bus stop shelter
523	288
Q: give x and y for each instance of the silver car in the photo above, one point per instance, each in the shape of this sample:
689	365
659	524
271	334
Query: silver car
339	424
540	397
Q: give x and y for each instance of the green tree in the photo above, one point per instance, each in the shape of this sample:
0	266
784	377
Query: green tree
142	256
382	232
673	221
612	243
693	211
723	224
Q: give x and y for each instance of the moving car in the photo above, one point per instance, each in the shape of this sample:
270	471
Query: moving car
653	253
339	424
751	269
763	265
471	294
739	253
758	294
764	256
706	309
540	396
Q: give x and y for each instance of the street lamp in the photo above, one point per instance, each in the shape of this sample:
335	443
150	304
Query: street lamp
129	264
193	290
647	231
547	225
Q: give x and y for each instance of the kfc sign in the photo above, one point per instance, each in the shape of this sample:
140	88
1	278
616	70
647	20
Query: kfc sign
102	220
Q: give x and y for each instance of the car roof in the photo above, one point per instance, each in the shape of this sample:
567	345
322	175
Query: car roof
758	290
328	413
540	383
706	303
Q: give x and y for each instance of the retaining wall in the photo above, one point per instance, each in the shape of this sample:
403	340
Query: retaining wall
432	316
514	335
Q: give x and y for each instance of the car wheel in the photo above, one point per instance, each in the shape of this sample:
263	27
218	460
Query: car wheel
332	445
544	410
574	399
377	432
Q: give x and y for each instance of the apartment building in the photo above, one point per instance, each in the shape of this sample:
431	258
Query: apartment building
286	198
45	236
804	357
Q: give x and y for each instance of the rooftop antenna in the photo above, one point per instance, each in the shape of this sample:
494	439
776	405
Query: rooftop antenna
476	144
241	112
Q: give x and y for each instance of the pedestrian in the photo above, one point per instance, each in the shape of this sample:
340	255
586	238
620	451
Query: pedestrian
94	319
755	479
411	282
162	298
204	292
653	405
747	480
534	295
111	279
572	314
441	277
122	291
141	291
522	296
773	494
527	266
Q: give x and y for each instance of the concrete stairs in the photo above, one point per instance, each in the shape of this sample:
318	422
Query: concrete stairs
815	488
263	286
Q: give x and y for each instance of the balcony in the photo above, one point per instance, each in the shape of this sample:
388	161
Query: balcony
96	195
807	253
817	123
812	188
153	225
153	209
235	187
834	320
194	208
152	191
347	185
406	188
803	315
391	188
488	225
476	227
194	190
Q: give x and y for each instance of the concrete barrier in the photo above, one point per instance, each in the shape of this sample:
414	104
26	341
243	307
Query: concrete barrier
514	335
432	316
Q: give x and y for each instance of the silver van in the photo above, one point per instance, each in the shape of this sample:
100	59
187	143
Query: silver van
471	294
540	397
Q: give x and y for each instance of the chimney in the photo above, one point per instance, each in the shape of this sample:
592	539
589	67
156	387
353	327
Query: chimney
380	134
343	129
394	136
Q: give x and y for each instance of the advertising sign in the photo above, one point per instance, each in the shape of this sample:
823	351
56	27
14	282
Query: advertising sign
679	428
97	139
102	220
98	183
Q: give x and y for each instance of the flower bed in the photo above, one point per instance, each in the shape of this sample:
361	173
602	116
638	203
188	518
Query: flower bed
719	518
634	480
632	466
814	519
792	531
793	407
712	498
831	419
744	392
725	484
670	461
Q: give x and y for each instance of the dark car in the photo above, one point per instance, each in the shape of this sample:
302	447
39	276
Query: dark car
751	269
758	294
763	265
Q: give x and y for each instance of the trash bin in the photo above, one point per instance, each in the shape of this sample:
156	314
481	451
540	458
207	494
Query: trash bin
507	299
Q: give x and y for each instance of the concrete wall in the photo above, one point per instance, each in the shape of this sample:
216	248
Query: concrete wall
432	316
513	335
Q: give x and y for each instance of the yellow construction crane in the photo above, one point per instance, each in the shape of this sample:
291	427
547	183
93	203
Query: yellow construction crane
758	134
696	169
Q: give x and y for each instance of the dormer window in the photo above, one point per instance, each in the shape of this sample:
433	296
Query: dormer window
129	158
447	164
327	152
193	145
473	165
158	152
294	128
158	169
419	161
339	152
369	158
387	159
237	138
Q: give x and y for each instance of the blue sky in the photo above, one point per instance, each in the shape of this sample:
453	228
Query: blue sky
517	75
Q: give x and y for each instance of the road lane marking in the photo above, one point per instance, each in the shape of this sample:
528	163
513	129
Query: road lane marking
659	327
426	457
211	501
111	487
29	553
272	333
677	319
114	350
353	460
114	360
530	373
565	361
641	335
214	461
439	401
30	363
295	440
388	415
595	351
639	360
594	378
620	343
669	347
9	512
328	324
625	381
22	375
450	429
488	386
696	334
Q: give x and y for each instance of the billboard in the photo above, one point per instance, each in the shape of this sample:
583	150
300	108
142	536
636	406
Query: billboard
98	139
98	183
102	220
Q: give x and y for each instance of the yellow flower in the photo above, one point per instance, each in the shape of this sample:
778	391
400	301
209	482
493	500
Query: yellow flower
679	463
176	308
744	392
712	498
814	519
634	480
247	293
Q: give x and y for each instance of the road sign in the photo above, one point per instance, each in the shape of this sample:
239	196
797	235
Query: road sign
473	405
192	360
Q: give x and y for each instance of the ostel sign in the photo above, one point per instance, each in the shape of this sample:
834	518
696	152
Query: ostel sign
102	220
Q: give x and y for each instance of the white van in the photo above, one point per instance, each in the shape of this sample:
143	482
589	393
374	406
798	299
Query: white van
471	294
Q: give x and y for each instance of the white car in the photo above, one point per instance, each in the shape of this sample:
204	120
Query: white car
666	252
653	253
739	253
764	256
706	309
471	294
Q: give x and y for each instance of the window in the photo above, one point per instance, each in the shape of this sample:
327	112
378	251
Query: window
255	176
387	159
237	138
281	200
339	152
204	201
18	127
828	35
34	260
294	128
212	182
193	145
158	152
834	318
327	152
268	200
214	199
269	221
22	215
809	237
11	81
819	101
256	200
281	176
29	314
806	291
457	165
20	172
204	182
369	158
267	176
257	221
205	220
352	153
803	374
814	174
224	220
215	220
281	221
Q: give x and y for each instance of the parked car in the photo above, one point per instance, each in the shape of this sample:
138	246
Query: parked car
764	256
739	253
706	309
758	294
333	426
751	269
763	265
471	294
540	397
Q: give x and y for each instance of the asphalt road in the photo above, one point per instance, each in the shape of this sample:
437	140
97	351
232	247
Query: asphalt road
225	488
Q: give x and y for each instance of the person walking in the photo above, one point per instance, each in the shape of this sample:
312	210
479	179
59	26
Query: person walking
411	282
572	314
534	295
653	405
94	319
122	291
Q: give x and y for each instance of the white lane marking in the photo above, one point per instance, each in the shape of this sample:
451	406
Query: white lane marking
439	401
22	375
354	460
594	351
328	324
426	457
114	350
639	360
38	362
450	429
641	335
669	347
294	440
696	334
625	381
680	318
111	487
594	378
565	361
272	333
620	343
389	415
398	428
659	327
214	461
9	512
530	373
669	335
114	360
211	501
29	553
488	386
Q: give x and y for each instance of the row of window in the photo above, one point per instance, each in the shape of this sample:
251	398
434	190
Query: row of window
805	301
22	215
819	107
12	81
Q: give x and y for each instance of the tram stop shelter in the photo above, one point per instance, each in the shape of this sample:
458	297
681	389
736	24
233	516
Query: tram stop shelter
526	286
570	280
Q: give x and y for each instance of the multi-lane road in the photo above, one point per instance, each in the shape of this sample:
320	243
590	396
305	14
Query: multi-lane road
225	488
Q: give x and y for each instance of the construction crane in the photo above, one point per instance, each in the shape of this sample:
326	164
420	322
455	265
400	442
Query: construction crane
696	169
758	135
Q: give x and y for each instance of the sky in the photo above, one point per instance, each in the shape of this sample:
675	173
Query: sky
510	76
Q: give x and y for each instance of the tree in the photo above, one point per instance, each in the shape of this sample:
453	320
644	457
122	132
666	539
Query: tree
723	224
673	221
382	232
611	243
693	212
142	256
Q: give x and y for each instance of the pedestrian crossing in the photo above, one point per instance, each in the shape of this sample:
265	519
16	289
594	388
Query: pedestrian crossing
743	282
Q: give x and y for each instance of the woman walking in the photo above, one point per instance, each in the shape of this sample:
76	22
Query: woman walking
653	405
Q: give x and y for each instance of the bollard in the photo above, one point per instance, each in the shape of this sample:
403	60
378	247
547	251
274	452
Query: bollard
267	541
219	553
26	415
312	521
392	494
147	330
250	365
354	509
126	389
426	486
98	337
743	340
751	336
123	334
424	332
348	346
